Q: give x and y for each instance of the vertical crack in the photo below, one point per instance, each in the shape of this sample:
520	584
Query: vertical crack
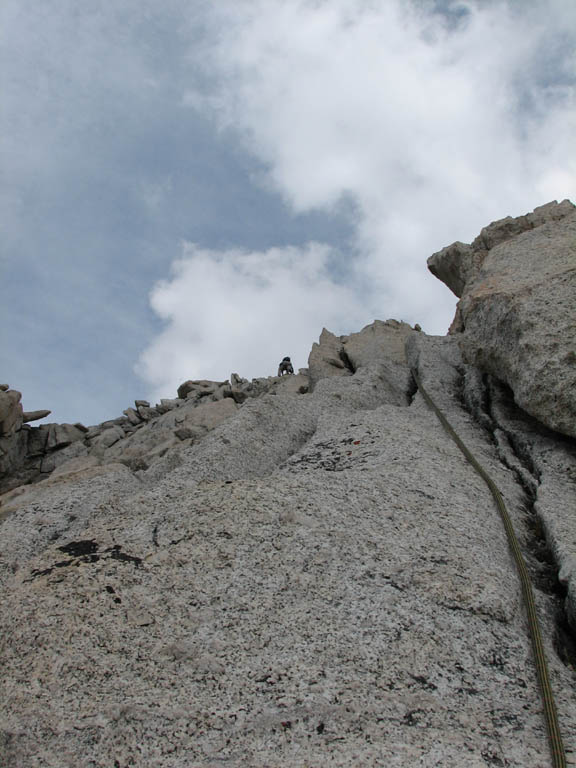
412	389
348	364
476	393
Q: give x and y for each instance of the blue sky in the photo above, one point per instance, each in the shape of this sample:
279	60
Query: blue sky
190	189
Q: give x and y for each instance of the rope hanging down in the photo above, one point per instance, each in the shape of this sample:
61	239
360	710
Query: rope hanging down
550	714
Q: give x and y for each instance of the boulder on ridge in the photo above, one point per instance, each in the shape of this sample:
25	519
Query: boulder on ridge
35	415
10	412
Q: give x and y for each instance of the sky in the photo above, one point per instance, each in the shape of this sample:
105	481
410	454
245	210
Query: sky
190	189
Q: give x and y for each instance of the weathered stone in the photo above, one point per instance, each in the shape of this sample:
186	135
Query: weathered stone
211	415
236	394
458	264
147	413
184	388
509	227
37	440
139	617
194	388
76	464
327	358
184	433
155	439
61	435
13	452
242	389
32	463
34	415
171	404
10	412
516	314
118	422
132	416
290	385
160	449
455	265
141	403
218	394
109	437
135	463
377	343
36	515
167	404
4	387
237	381
62	456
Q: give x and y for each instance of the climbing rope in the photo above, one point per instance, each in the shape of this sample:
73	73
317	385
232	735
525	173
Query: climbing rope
550	714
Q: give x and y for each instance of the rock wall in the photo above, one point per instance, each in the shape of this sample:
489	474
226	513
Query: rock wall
516	317
308	574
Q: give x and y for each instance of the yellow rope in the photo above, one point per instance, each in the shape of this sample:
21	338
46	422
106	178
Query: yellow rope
551	716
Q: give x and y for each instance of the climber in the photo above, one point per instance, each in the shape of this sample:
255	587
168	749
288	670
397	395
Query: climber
285	366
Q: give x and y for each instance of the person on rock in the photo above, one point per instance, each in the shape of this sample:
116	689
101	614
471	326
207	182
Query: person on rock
285	367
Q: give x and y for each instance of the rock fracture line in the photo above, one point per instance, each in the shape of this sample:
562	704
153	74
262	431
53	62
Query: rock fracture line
550	713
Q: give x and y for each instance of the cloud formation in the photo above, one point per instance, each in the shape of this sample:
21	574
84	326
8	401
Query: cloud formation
423	121
242	311
387	100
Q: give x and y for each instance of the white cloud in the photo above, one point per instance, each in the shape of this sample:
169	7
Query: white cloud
390	105
242	311
431	126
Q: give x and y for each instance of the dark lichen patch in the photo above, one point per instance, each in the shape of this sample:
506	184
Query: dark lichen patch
80	548
116	553
85	552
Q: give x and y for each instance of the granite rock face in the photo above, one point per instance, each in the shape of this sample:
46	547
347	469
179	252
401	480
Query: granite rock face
516	317
292	572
